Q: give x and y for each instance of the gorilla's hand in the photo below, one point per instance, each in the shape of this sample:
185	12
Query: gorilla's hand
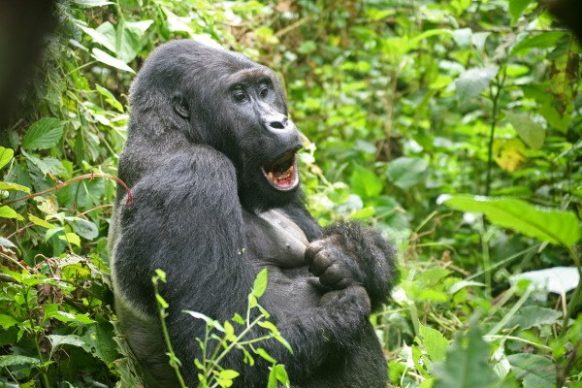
351	298
349	254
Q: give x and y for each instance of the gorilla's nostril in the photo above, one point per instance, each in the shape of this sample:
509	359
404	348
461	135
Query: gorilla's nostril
277	125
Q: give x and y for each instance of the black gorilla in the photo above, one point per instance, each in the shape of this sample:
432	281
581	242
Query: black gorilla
210	159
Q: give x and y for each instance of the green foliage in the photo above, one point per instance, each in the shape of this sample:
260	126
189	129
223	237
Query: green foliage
401	102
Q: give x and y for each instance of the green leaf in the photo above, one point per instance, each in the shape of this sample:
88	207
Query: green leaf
263	354
43	134
536	371
69	339
407	172
52	311
6	155
472	82
532	133
9	186
466	364
12	360
109	98
83	227
516	7
545	224
228	374
48	165
434	342
71	238
6	321
531	316
107	59
40	222
260	284
278	374
100	339
541	41
8	212
365	183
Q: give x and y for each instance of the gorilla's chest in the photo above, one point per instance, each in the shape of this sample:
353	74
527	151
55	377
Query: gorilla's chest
274	239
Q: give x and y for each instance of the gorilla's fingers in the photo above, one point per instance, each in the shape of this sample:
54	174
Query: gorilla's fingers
320	262
313	249
333	275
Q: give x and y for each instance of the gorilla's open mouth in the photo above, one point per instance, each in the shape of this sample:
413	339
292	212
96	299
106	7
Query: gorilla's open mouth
281	173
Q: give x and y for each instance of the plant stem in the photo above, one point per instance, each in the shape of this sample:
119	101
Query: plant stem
167	340
494	116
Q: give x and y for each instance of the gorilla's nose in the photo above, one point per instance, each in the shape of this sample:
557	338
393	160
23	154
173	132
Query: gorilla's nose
277	123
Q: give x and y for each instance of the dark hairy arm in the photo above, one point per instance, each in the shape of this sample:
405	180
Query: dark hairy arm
186	219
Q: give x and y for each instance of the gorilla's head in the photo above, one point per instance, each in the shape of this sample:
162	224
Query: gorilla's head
189	92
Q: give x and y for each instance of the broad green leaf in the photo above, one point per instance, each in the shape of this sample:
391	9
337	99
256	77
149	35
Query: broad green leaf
71	238
532	133
52	311
6	321
43	134
474	81
434	342
83	227
541	41
9	186
516	7
69	339
365	183
48	165
107	59
546	224
407	172
6	155
260	284
228	374
100	339
530	316
536	371
466	364
13	360
8	212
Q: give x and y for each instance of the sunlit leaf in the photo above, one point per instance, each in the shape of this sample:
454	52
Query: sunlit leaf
6	155
509	154
260	284
8	212
546	224
107	59
365	183
516	7
9	186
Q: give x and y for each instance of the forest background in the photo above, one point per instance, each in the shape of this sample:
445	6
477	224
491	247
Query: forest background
452	126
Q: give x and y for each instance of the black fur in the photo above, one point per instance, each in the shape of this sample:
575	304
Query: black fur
193	161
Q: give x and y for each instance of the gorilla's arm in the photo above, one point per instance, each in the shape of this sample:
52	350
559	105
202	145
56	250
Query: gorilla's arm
349	254
186	219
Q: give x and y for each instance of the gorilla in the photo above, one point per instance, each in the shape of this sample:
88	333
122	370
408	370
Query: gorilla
211	162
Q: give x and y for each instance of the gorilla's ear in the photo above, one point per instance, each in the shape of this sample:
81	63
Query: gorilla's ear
180	106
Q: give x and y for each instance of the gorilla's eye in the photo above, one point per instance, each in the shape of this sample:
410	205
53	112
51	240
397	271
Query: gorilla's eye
239	94
263	91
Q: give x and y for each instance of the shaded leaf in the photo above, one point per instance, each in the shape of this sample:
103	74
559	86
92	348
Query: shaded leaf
107	59
365	183
43	134
466	364
536	371
532	133
406	172
473	81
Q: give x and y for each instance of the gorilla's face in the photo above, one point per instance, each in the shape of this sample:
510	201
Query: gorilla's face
237	106
263	139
